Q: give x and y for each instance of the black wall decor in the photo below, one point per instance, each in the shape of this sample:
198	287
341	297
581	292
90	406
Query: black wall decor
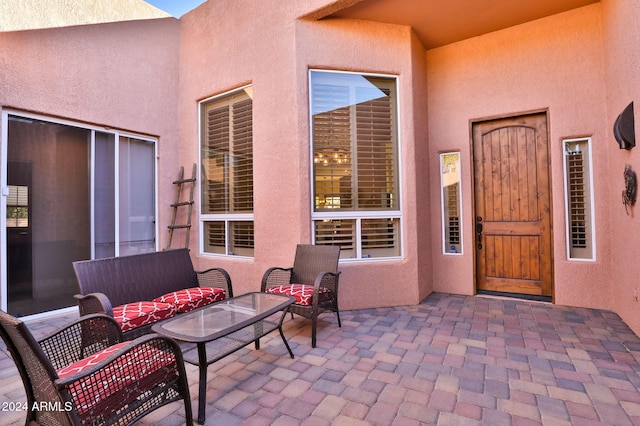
624	128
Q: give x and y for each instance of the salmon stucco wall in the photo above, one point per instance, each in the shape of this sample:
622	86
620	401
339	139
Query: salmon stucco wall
215	60
370	47
621	29
420	155
117	76
552	64
275	54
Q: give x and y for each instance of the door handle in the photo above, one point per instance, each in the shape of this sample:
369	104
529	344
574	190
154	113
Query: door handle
479	231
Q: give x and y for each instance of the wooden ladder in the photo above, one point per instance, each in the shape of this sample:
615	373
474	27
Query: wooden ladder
180	203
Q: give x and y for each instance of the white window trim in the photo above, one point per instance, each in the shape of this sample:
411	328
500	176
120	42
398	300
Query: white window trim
591	200
221	217
363	214
442	206
358	218
226	218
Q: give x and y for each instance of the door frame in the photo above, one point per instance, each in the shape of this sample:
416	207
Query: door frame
474	238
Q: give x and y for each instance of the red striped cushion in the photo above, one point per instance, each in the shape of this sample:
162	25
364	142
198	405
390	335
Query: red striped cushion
88	362
191	298
137	314
302	292
119	382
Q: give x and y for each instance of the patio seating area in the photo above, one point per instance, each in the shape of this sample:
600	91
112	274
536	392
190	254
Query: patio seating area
450	360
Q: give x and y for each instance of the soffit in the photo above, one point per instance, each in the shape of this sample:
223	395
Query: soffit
441	22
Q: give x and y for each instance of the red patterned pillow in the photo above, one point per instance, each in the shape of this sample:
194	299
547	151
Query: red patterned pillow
191	298
88	362
137	314
302	292
124	379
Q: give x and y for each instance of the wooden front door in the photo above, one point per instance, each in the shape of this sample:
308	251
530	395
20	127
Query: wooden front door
512	193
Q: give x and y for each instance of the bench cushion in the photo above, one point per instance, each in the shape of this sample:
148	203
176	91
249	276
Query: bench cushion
191	298
303	293
129	376
136	314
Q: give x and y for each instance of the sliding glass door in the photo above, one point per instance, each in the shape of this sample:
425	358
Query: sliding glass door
68	193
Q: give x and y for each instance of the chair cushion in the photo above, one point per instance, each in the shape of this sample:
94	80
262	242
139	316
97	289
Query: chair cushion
88	362
137	314
302	292
119	382
191	298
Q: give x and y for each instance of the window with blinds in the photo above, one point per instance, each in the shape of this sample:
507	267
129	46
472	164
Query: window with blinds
18	206
227	174
451	202
355	163
579	205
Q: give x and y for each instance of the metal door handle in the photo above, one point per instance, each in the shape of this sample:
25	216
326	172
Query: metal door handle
479	231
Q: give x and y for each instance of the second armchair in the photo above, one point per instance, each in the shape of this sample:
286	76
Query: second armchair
313	281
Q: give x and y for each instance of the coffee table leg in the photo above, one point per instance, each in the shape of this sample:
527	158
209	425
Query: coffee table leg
285	341
202	389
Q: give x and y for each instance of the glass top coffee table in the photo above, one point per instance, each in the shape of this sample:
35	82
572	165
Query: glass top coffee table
224	327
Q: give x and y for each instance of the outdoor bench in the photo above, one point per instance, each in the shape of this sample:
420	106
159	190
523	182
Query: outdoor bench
142	289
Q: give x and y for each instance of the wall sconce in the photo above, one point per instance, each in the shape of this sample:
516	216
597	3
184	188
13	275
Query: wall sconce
624	128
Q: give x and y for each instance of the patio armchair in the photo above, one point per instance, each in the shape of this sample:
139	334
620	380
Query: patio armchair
313	281
84	373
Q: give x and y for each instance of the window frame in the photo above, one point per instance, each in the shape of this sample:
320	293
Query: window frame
395	214
226	219
446	250
590	204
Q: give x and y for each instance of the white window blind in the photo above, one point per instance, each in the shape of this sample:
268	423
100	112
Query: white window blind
451	202
355	163
376	152
336	232
578	198
227	165
453	215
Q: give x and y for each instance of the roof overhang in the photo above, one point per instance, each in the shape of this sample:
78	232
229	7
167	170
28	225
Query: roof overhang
441	22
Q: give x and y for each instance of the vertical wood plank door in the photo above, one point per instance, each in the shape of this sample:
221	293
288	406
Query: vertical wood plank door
512	194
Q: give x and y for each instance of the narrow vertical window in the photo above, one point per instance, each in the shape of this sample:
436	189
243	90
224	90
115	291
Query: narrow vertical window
451	203
18	207
227	174
355	164
579	200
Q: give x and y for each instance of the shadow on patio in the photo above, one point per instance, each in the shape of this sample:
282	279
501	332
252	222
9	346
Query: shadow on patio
450	360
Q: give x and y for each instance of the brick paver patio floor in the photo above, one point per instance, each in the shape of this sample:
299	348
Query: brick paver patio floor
452	360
